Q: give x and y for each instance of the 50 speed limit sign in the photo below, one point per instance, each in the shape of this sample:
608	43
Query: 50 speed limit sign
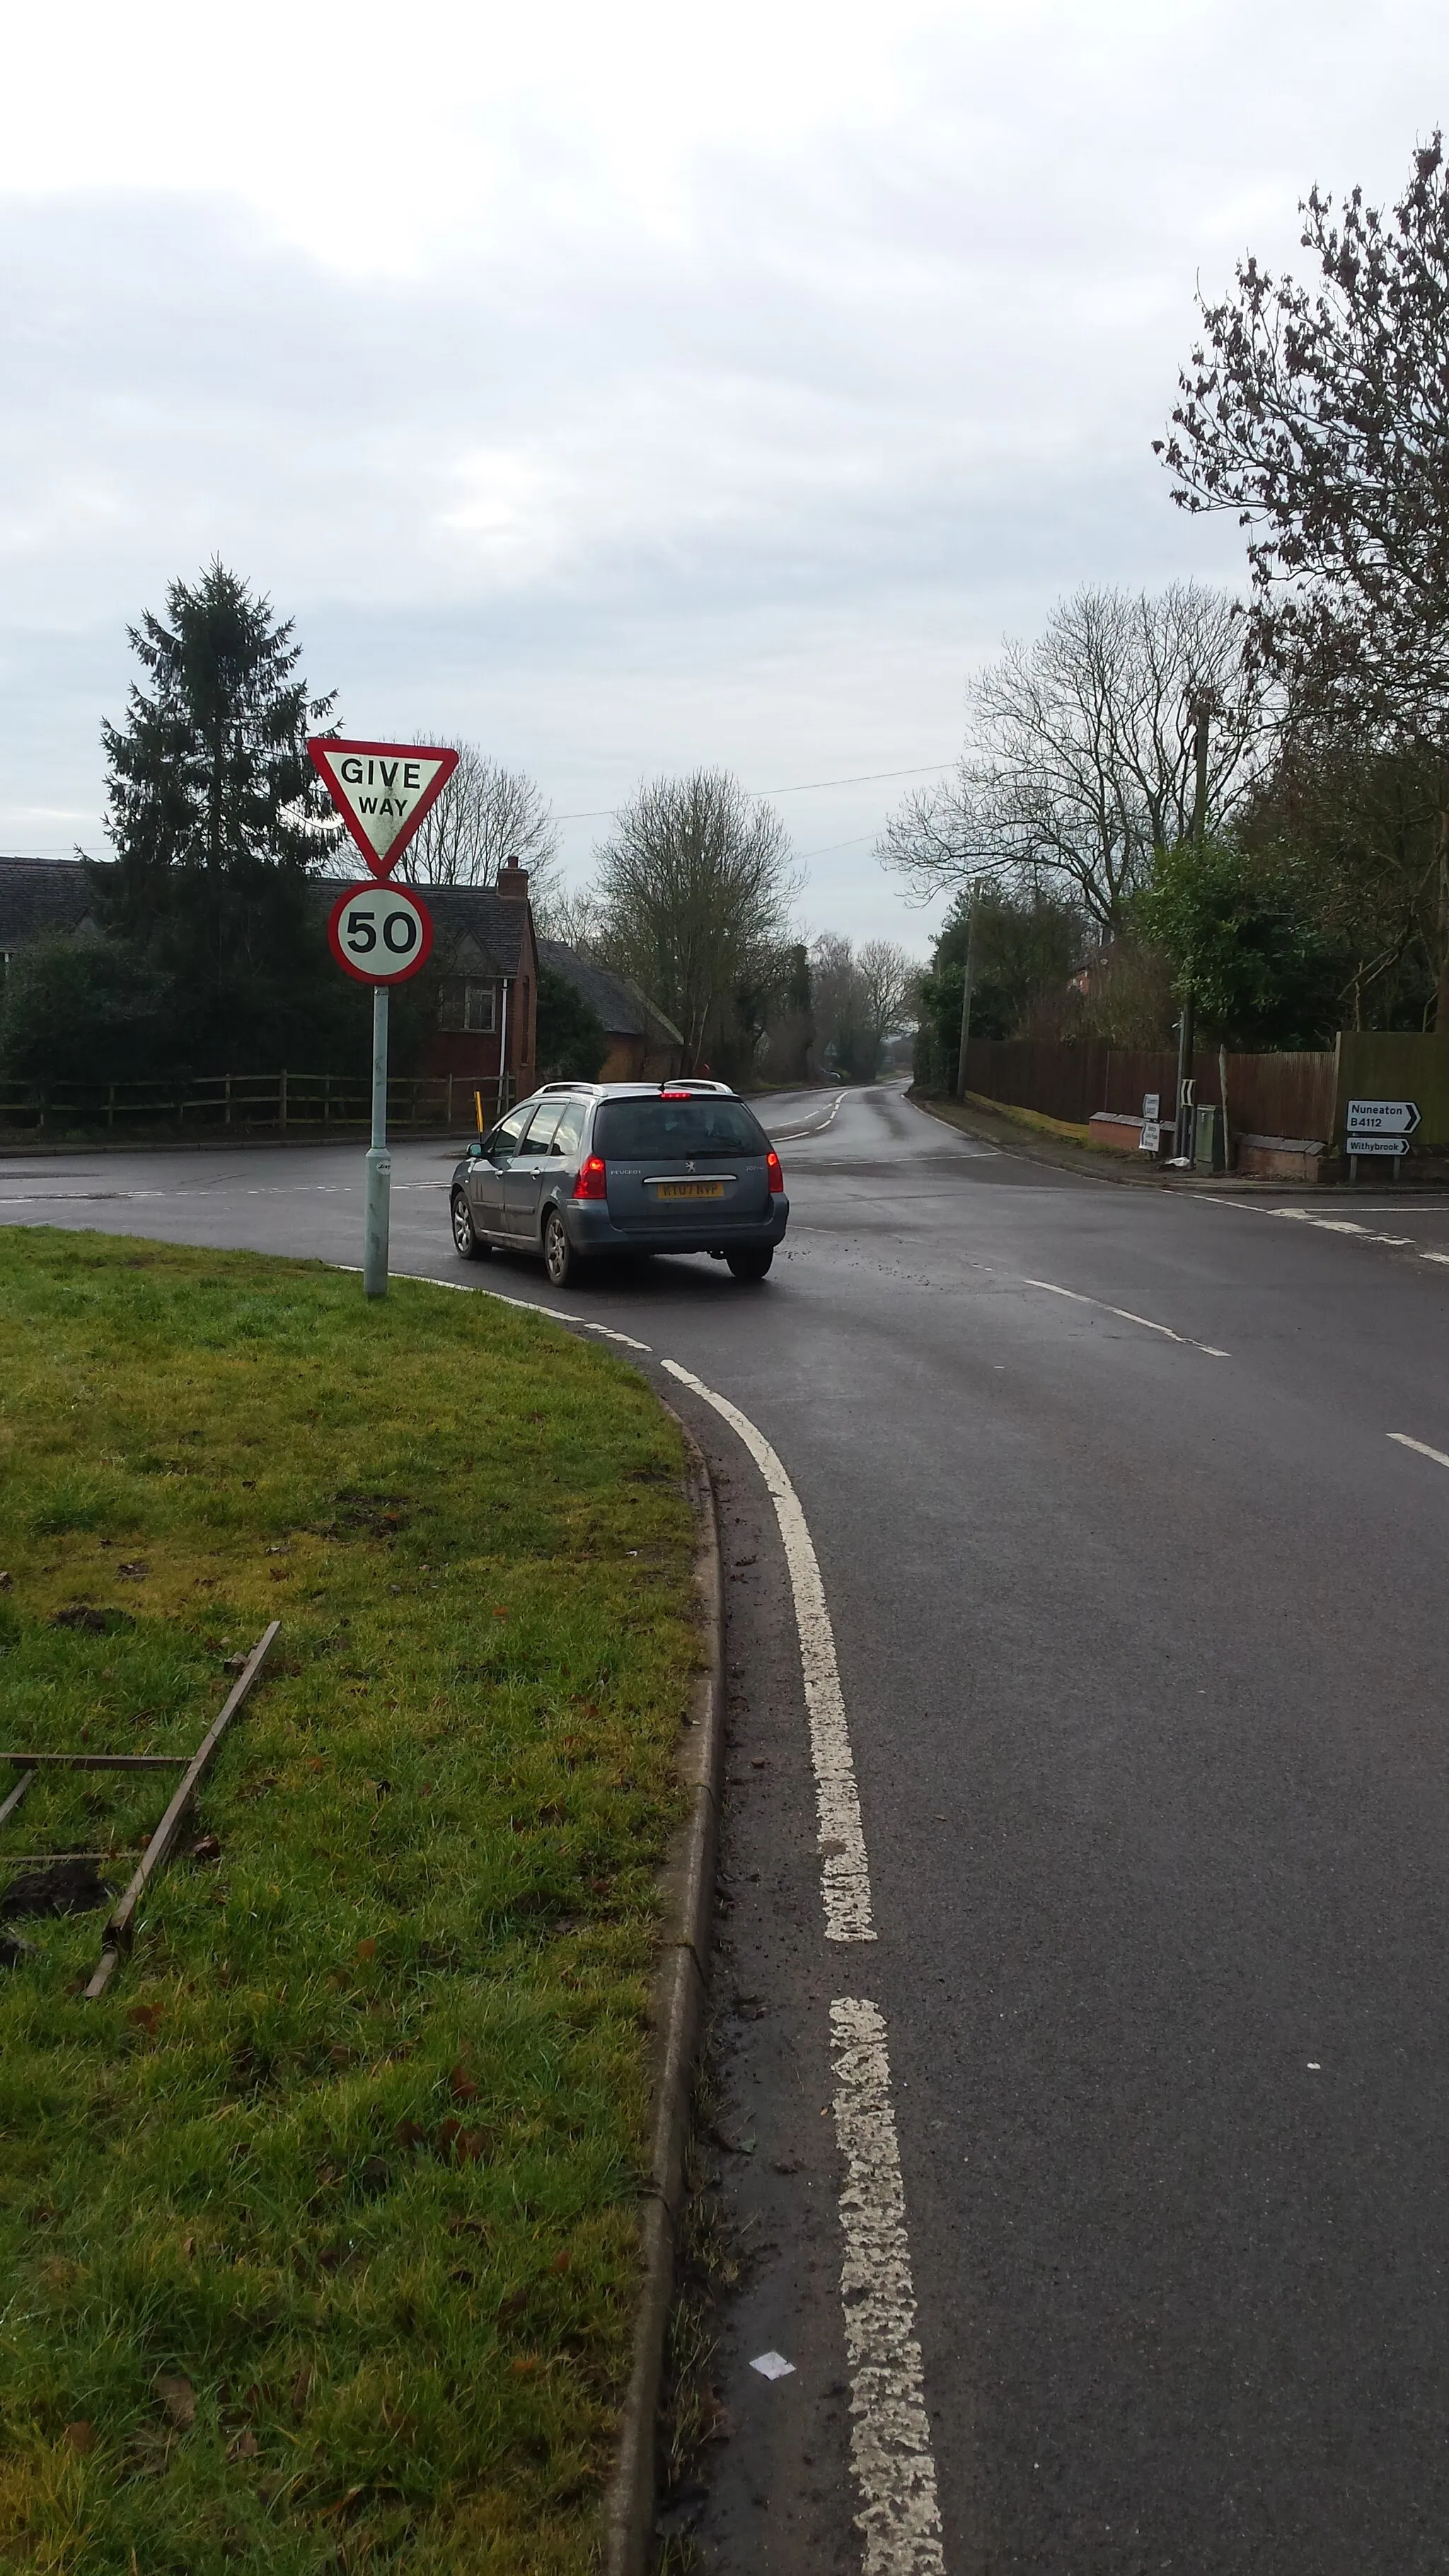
380	933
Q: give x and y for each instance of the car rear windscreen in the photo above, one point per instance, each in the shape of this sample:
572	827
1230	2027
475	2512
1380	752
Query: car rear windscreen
676	1131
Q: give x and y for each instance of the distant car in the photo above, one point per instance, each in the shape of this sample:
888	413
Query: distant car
586	1168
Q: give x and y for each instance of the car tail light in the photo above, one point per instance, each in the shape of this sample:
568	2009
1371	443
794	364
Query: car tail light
777	1177
593	1180
676	1095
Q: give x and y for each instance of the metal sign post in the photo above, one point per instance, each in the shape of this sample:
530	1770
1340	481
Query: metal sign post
379	1160
380	933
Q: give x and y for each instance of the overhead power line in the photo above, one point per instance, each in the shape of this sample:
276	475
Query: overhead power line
607	813
801	787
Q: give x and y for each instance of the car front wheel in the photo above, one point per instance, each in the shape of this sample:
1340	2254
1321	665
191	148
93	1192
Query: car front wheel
465	1237
559	1257
751	1262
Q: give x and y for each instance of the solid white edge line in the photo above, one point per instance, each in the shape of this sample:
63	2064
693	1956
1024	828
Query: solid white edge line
844	1876
1422	1446
890	2436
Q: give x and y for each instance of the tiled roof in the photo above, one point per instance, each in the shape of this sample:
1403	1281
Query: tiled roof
618	1003
41	899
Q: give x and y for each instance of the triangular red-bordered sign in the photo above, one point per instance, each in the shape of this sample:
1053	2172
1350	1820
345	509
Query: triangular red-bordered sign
382	790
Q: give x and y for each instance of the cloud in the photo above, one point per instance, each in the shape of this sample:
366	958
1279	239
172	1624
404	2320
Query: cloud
633	388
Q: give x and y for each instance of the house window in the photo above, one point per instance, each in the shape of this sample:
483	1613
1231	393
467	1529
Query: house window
465	1005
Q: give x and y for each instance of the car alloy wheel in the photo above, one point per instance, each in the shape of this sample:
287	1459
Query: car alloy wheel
560	1259
464	1236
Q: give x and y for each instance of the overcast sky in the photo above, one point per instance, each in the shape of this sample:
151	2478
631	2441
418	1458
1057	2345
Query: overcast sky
633	387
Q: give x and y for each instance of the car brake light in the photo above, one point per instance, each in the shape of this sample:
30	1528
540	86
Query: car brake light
593	1180
777	1177
676	1095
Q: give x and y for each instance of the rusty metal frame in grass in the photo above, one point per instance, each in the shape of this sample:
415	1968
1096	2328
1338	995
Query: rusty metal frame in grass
120	1930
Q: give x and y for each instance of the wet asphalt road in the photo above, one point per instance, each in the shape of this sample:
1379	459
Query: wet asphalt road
1142	1655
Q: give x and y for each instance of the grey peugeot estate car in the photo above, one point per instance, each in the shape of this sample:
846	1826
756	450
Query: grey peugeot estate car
585	1168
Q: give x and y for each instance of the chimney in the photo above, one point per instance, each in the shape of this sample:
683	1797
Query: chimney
513	881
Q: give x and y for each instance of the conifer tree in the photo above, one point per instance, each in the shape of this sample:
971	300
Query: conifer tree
217	821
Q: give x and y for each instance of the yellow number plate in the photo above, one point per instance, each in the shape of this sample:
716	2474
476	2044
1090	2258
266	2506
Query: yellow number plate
691	1189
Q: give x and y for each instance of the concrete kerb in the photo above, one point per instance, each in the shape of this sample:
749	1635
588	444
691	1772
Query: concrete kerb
687	1886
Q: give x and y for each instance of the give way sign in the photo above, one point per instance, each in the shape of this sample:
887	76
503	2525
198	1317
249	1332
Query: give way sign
382	790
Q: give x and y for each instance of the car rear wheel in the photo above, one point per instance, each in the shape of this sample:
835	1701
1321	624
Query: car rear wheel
752	1262
465	1238
560	1260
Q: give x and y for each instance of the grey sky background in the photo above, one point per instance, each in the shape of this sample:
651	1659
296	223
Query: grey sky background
635	388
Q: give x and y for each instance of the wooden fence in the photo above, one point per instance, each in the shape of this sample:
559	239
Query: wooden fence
1268	1095
243	1103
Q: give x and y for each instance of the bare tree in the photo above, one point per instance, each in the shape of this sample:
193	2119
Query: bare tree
1129	723
842	1041
486	815
860	999
573	914
695	886
1320	419
890	982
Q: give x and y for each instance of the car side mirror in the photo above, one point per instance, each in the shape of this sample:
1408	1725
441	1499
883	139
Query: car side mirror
475	1150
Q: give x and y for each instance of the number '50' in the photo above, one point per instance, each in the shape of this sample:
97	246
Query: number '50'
399	932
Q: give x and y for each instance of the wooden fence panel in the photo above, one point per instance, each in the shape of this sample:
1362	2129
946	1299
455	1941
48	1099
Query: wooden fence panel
1268	1095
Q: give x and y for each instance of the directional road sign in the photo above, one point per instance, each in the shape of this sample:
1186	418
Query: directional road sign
382	790
1382	1117
380	933
1363	1143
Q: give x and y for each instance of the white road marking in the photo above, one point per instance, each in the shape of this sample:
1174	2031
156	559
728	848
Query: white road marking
1422	1446
791	1135
1125	1316
1343	1225
525	1305
890	2438
844	1877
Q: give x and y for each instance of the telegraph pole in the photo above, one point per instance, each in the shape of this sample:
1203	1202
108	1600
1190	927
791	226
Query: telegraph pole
1183	1131
966	993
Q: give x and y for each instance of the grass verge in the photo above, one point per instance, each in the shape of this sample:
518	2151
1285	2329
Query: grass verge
318	2231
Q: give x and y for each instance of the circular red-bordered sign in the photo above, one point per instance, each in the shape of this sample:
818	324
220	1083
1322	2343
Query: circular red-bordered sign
380	933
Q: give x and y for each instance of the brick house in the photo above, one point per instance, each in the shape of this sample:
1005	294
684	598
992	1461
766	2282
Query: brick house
486	956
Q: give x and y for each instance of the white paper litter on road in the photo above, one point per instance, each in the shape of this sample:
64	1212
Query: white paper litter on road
773	2365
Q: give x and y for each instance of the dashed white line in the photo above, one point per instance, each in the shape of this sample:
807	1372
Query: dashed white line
844	1877
792	1135
1422	1446
890	2438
